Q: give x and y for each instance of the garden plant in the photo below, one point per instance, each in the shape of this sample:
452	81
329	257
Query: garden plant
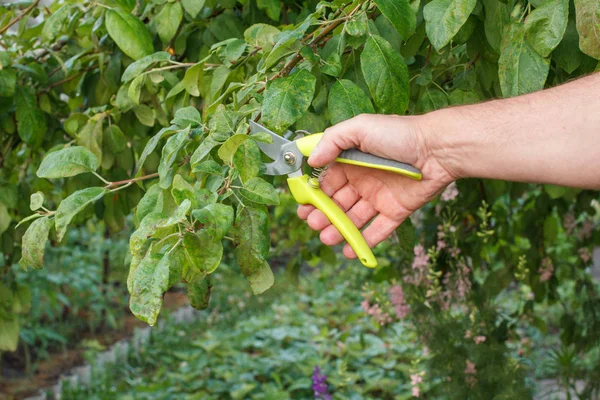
138	112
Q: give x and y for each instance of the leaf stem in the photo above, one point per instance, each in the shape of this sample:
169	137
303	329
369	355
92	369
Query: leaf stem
101	177
19	17
111	185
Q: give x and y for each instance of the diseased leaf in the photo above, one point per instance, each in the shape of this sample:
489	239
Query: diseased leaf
253	246
148	203
261	35
36	201
216	218
129	33
199	293
357	26
588	26
287	99
346	100
151	145
386	75
168	20
444	19
135	89
149	283
34	243
31	121
400	14
136	68
187	116
247	160
182	190
203	254
92	134
55	22
192	79
169	155
67	162
546	26
74	204
520	68
203	150
222	124
430	100
260	191
461	97
228	149
496	18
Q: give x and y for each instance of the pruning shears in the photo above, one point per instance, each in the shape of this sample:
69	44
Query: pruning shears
288	157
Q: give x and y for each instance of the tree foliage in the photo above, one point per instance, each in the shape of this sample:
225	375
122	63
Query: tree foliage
116	108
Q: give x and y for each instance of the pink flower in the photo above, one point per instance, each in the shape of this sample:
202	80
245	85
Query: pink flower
415	379
441	244
415	391
399	302
585	254
421	258
470	369
546	270
454	251
376	312
450	192
479	339
569	222
586	229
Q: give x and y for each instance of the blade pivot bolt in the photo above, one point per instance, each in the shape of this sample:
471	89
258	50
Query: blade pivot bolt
289	158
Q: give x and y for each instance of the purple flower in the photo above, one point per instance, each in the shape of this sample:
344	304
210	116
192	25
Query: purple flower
320	385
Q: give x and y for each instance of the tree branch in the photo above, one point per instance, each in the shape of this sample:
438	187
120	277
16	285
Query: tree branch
19	17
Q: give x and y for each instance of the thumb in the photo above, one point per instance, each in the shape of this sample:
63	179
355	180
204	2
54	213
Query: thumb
345	135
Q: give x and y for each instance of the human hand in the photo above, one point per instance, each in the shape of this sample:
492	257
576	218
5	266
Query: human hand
367	194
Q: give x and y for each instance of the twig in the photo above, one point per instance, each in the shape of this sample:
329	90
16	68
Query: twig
128	181
68	79
19	17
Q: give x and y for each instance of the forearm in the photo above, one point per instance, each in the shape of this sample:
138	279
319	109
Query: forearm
552	136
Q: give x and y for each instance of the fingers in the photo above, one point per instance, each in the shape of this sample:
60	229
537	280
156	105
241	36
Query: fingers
345	198
377	232
345	135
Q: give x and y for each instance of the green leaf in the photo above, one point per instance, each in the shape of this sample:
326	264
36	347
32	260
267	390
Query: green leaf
520	68
8	82
546	26
92	134
36	201
386	75
169	155
34	243
444	18
286	99
261	35
192	79
219	78
247	160
67	162
144	114
4	218
202	151
193	7
9	334
129	33
151	145
209	167
198	292
187	116
182	190
216	218
149	203
168	20
357	26
588	26
31	121
346	100
150	281
228	149
430	100
203	253
271	7
74	204
222	124
136	68
407	239
260	191
55	22
496	18
333	65
234	50
567	54
135	89
400	14
114	139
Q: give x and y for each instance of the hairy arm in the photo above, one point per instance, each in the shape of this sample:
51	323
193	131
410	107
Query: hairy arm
552	136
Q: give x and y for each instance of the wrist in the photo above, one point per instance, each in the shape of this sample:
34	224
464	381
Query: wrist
443	141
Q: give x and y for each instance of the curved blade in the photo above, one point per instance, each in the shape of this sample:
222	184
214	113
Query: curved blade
277	150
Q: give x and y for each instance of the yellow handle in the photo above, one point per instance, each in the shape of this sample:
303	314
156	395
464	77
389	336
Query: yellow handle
304	193
307	144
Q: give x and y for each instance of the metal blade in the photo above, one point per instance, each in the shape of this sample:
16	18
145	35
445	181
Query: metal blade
273	150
